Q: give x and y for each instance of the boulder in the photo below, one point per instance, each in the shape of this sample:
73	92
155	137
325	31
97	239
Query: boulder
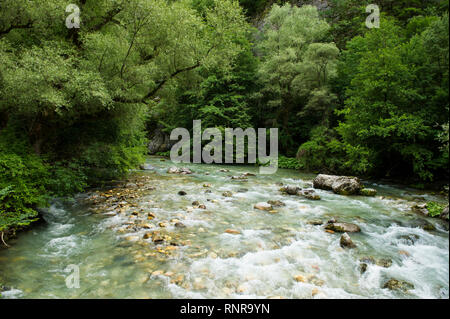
394	284
290	190
159	142
343	228
346	241
263	206
342	185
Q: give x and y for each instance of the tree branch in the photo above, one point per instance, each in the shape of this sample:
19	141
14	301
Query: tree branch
28	25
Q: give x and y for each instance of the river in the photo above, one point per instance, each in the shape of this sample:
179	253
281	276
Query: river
227	249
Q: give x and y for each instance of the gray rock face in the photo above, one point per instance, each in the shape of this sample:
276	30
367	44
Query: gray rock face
342	185
343	228
159	142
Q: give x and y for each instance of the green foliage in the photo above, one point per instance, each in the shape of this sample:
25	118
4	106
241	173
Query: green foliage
323	152
296	65
392	104
435	209
288	162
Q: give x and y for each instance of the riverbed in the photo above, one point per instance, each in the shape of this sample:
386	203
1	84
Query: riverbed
143	239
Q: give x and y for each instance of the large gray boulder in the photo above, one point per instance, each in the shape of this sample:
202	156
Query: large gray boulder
159	142
342	185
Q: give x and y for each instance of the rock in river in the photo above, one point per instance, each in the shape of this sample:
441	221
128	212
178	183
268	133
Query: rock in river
346	241
343	228
444	214
290	190
394	284
370	192
263	206
276	203
182	171
342	185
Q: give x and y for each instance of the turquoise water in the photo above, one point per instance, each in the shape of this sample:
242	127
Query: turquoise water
266	255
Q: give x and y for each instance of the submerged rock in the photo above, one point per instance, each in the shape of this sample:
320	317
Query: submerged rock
342	185
227	194
315	222
276	203
263	206
309	194
420	209
384	262
182	193
343	228
182	171
146	167
363	268
424	224
394	284
346	241
368	192
232	231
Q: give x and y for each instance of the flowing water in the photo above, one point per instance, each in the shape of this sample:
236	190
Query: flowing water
270	255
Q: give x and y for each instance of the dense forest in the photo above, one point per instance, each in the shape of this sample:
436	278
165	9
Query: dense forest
78	105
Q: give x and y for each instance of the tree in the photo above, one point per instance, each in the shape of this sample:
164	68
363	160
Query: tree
297	64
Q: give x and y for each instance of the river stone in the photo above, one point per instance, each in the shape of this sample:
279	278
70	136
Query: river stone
384	262
309	194
421	209
343	228
315	222
227	194
368	192
444	214
342	185
182	171
263	206
394	284
346	241
424	224
232	231
146	167
242	190
182	193
290	190
409	239
276	203
363	268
